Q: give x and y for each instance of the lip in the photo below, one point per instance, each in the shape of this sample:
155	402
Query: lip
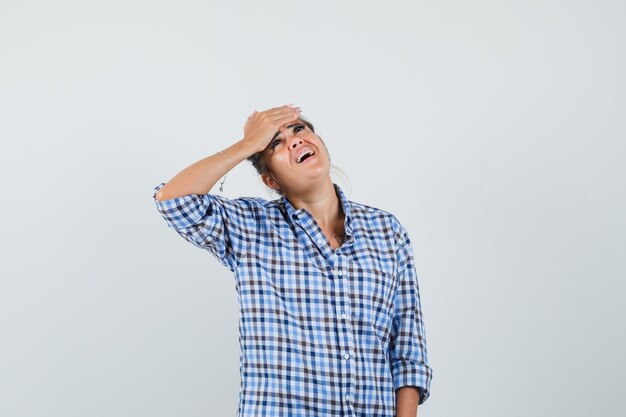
295	154
308	159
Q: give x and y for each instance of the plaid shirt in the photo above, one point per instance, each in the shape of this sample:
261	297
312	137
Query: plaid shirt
322	332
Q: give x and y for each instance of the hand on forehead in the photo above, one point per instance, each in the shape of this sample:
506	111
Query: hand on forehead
293	122
287	126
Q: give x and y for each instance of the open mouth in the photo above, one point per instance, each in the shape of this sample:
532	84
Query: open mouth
304	156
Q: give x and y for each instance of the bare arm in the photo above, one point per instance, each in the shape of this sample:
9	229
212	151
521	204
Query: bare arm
407	399
201	176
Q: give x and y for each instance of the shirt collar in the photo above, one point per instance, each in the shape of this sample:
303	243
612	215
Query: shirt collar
294	214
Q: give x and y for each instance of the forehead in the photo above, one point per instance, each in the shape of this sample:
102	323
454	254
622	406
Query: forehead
288	125
292	123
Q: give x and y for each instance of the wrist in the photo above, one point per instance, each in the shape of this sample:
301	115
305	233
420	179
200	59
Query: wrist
249	147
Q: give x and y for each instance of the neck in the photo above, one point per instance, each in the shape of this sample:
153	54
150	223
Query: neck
322	202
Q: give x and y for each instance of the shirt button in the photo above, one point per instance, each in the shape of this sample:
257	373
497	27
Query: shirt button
347	397
320	241
344	315
339	272
347	356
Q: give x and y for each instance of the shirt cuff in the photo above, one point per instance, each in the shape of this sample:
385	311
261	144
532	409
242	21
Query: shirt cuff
182	212
410	374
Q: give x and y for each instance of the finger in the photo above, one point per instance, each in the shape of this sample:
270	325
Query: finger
275	109
288	106
286	119
281	120
281	115
292	106
282	109
287	111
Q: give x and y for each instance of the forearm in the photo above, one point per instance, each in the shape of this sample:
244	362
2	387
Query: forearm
201	176
407	399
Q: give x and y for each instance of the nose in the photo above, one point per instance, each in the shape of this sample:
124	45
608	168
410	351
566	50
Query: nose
294	141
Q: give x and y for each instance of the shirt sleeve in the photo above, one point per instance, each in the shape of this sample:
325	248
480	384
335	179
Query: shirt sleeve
217	224
408	356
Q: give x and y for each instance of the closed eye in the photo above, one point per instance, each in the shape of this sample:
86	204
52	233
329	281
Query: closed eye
274	143
296	128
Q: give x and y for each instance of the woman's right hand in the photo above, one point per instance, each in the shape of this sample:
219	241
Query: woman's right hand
261	127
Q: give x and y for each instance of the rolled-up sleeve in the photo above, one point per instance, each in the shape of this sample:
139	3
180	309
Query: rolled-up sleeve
217	224
408	356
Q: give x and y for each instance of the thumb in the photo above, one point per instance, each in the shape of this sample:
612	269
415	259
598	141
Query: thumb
250	117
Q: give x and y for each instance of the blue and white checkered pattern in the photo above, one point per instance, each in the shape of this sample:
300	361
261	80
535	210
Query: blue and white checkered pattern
322	332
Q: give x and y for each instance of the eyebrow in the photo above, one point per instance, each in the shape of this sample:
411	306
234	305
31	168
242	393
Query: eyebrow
291	126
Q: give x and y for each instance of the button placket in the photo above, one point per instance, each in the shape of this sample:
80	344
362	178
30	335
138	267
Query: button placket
348	377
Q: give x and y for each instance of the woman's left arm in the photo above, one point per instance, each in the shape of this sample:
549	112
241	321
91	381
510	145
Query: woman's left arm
407	400
407	346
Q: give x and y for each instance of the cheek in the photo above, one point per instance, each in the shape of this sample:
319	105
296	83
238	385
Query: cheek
278	161
324	149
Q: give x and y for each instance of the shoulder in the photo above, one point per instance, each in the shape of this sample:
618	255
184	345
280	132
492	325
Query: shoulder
240	201
257	205
365	210
372	216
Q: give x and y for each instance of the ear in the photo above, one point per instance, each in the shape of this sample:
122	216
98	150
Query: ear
269	181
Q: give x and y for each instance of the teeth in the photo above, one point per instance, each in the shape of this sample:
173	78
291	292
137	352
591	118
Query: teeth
303	154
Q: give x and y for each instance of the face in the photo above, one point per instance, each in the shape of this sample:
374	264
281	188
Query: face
296	158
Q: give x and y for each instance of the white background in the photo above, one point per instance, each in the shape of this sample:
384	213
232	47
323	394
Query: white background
494	130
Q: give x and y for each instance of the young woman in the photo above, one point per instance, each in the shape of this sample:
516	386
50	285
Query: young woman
330	317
